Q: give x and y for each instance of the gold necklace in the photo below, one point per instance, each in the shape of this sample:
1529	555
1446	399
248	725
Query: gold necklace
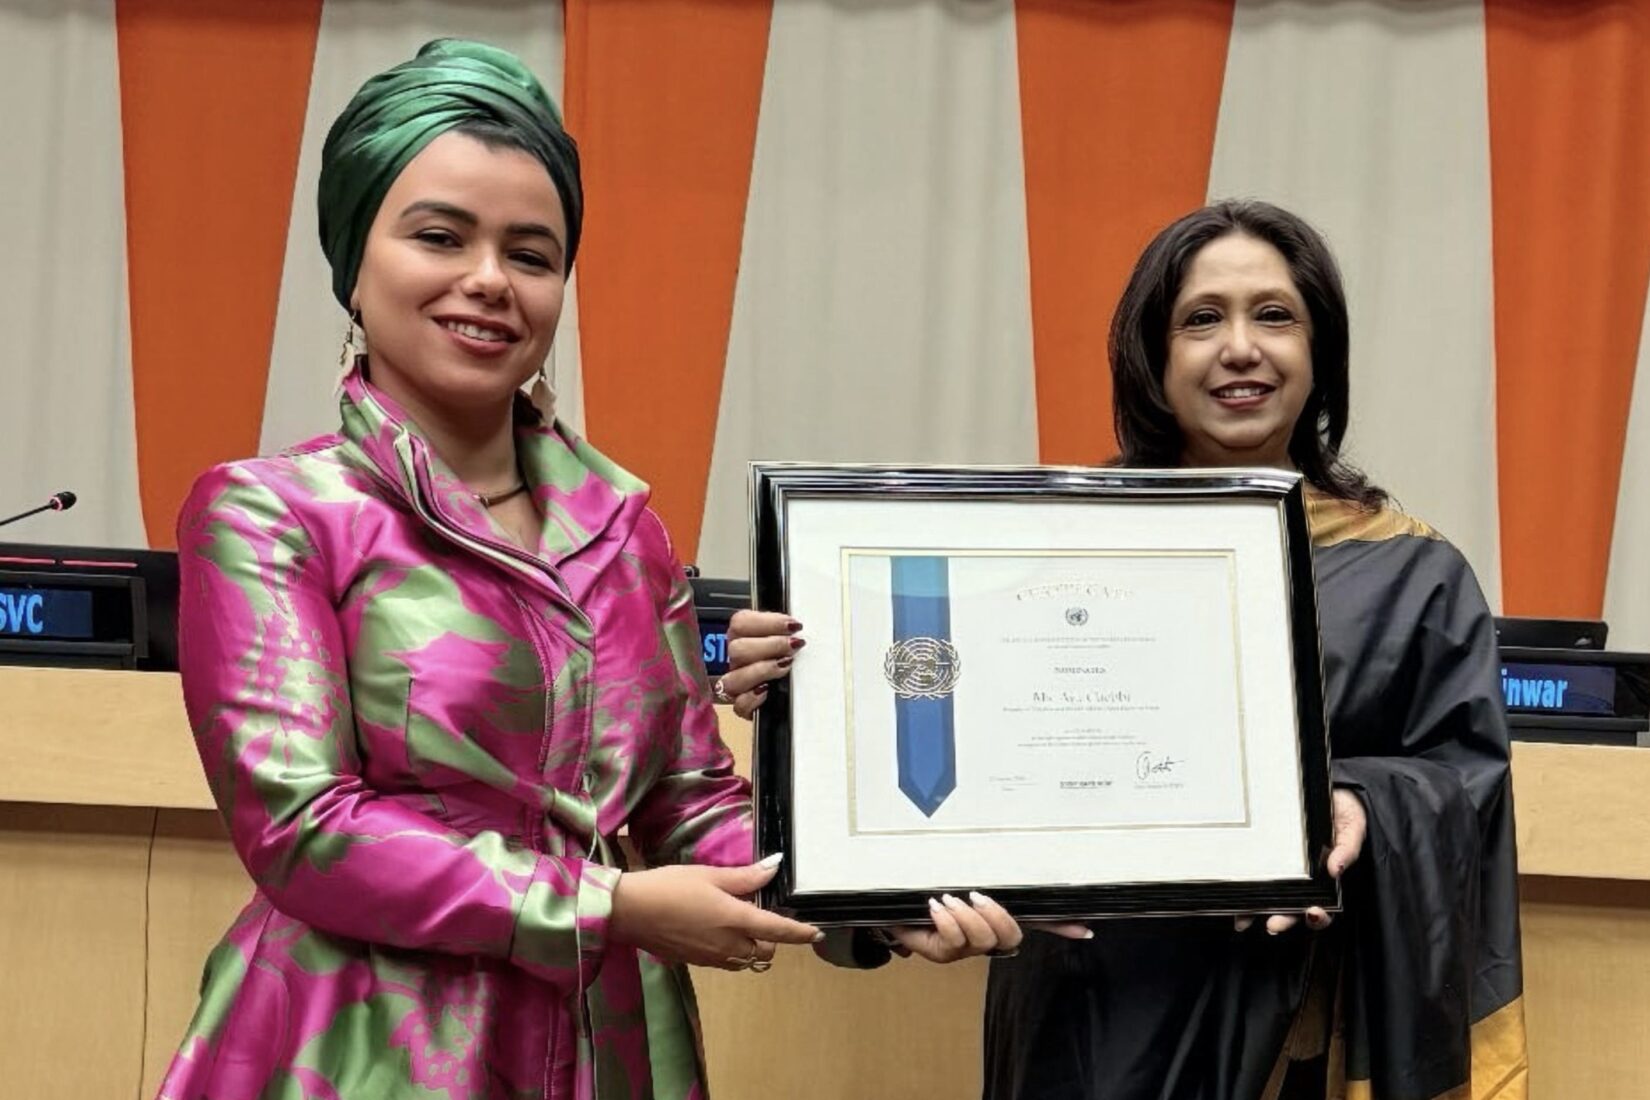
489	499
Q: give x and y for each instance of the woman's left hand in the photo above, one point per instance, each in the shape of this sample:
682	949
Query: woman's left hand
1351	826
962	930
761	647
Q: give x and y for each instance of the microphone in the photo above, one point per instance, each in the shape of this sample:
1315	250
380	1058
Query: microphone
59	502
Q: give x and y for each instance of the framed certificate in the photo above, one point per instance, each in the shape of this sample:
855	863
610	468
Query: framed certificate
1083	692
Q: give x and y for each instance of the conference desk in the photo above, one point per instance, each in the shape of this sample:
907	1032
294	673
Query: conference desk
116	878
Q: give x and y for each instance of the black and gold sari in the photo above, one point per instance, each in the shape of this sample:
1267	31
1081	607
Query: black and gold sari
1415	992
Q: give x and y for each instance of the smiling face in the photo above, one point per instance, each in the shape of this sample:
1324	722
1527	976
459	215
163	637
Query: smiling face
462	277
1240	355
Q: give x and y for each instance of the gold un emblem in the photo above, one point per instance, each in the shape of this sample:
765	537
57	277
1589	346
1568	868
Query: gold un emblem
922	668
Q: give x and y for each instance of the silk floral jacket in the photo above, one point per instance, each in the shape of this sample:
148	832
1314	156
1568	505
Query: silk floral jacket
424	740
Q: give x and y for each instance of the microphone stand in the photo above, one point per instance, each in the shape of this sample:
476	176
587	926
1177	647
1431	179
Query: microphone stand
47	507
60	502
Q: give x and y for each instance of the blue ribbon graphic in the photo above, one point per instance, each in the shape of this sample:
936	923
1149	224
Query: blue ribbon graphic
925	735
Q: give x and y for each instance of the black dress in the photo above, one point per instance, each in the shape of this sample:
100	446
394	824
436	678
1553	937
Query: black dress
1415	992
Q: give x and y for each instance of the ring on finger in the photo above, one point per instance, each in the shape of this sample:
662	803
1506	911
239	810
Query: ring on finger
719	690
761	966
748	961
1002	952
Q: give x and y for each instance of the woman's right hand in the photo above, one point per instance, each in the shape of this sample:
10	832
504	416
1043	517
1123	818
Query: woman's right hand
982	927
761	646
695	914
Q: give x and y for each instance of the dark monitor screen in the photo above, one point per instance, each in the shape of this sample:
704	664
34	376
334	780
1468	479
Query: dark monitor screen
1530	688
714	648
59	566
715	600
57	613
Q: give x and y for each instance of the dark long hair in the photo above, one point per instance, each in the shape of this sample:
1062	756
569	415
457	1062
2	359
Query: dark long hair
1139	347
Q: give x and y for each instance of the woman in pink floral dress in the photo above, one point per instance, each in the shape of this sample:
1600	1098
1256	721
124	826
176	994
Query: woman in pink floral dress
437	661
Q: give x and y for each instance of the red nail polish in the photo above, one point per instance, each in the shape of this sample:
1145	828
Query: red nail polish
798	643
759	689
792	627
783	662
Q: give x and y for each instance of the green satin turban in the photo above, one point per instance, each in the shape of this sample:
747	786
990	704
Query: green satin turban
401	110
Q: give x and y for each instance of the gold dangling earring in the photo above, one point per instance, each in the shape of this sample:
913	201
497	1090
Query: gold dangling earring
354	341
543	396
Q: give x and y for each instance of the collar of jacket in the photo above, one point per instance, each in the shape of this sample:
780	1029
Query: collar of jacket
589	503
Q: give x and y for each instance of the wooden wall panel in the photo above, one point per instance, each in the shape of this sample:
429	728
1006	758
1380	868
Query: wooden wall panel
196	887
807	1030
71	950
1587	986
97	738
103	934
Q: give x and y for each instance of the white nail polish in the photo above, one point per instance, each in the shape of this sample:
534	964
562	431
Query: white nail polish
978	898
1088	934
951	901
772	861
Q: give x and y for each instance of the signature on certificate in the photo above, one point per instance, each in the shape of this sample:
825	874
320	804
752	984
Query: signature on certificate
1147	765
